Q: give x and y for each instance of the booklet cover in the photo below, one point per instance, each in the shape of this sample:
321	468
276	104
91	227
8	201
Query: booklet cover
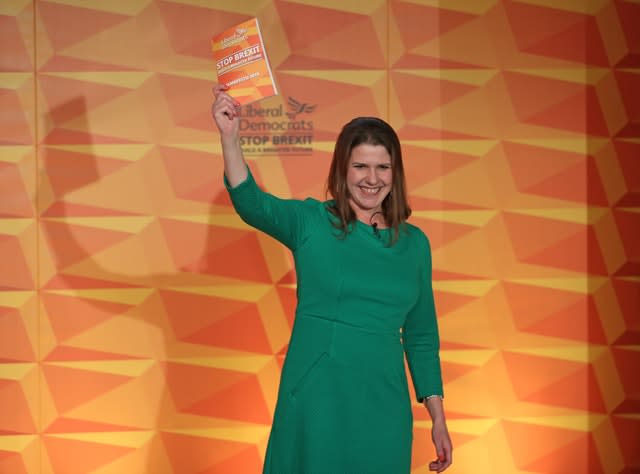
242	63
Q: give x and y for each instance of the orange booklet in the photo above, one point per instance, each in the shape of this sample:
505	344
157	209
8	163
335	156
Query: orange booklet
242	63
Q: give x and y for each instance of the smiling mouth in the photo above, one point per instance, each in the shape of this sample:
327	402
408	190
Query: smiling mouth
371	191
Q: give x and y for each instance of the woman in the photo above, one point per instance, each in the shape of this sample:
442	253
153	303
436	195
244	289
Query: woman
364	302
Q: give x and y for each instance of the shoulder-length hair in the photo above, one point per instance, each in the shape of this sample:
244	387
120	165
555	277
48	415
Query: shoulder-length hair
371	131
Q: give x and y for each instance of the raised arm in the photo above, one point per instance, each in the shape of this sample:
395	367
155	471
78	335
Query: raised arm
283	219
225	112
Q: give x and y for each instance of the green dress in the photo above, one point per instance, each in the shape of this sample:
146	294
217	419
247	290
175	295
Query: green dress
343	402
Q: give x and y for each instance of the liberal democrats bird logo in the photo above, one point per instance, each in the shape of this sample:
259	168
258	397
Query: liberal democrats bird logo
296	108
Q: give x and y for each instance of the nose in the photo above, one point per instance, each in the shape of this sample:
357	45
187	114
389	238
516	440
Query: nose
372	176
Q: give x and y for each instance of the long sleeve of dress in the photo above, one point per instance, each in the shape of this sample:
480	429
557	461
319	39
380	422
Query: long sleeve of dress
421	340
283	219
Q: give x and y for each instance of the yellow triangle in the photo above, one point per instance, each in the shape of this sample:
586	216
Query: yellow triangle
128	224
15	154
589	76
250	364
578	215
473	357
246	434
582	285
629	416
472	218
15	299
352	6
590	7
205	147
241	292
476	7
358	78
125	439
14	80
17	443
573	145
467	147
464	426
128	152
14	371
465	287
128	80
129	296
586	423
326	146
252	8
232	221
122	7
635	210
205	75
15	227
581	353
128	368
463	76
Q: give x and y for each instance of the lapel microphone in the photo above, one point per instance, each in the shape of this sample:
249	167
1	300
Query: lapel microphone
376	232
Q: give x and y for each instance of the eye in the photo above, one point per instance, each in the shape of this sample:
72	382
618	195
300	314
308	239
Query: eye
385	167
358	165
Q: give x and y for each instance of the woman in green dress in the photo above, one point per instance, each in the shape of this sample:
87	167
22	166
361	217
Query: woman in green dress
365	302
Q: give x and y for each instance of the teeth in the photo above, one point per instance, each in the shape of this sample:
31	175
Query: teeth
370	190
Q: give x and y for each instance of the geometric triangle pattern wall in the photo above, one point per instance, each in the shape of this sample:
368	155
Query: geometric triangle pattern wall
143	325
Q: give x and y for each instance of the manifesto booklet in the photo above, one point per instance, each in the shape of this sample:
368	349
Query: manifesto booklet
242	63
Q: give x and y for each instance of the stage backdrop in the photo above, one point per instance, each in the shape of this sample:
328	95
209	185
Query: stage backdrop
143	325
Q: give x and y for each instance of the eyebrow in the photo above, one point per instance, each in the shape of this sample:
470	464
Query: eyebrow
363	163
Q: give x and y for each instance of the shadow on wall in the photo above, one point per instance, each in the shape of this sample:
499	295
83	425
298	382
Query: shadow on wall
111	354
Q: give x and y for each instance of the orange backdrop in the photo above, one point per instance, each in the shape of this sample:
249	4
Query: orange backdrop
143	325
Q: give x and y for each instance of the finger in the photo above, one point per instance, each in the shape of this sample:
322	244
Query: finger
219	88
225	99
446	460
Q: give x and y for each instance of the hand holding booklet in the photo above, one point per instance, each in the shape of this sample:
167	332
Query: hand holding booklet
242	63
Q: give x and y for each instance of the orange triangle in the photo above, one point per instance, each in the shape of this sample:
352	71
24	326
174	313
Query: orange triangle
578	183
16	201
71	315
71	243
14	340
17	274
248	460
580	43
194	454
79	457
529	442
203	311
189	384
87	23
578	322
242	330
578	113
531	374
579	252
578	390
578	455
12	462
71	388
242	401
15	411
87	169
241	258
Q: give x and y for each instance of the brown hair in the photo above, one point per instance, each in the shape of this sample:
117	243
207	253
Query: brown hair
372	131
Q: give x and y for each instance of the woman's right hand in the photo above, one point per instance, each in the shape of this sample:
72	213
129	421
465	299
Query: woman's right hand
225	112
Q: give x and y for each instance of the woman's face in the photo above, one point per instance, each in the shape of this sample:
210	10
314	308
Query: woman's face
369	179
